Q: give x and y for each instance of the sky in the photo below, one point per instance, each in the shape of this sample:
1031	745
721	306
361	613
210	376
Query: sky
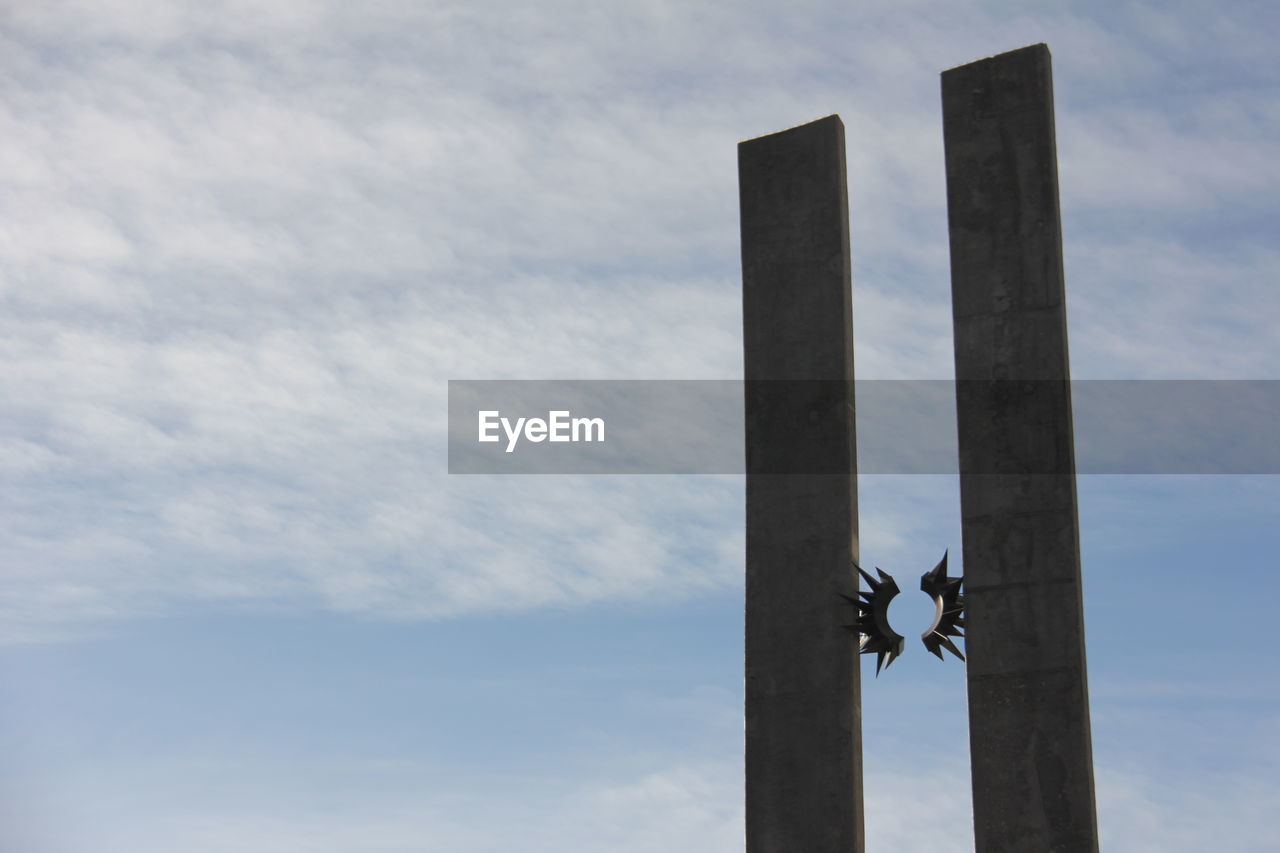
243	248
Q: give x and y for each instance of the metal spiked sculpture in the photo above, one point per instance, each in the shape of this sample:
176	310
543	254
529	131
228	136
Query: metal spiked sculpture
878	636
949	603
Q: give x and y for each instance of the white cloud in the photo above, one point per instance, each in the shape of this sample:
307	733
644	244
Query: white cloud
1226	811
401	806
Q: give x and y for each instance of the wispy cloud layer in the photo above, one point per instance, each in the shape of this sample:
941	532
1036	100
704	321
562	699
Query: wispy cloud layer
244	247
691	805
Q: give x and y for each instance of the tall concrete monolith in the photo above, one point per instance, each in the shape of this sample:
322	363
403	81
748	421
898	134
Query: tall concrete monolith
1030	748
803	749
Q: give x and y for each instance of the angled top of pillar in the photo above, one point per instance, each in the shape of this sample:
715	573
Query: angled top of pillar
1030	53
798	129
998	84
794	217
1008	294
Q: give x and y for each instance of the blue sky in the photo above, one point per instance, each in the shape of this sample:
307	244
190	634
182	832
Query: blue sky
244	246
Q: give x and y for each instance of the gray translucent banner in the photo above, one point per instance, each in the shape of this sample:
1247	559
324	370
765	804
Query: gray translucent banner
903	426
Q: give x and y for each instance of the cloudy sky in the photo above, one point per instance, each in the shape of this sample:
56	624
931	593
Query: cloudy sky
244	245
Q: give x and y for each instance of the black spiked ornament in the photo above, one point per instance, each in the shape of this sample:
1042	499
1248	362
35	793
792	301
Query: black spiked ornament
878	637
948	620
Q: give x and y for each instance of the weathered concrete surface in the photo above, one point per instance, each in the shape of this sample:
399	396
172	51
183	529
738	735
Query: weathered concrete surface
1028	699
803	748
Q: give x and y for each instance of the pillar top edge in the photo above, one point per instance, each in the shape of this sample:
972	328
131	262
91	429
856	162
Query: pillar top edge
1039	49
811	125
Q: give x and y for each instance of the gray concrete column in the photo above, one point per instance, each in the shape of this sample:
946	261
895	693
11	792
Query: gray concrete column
803	748
1028	699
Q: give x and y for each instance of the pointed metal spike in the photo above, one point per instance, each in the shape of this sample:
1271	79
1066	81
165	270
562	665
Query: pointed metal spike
951	647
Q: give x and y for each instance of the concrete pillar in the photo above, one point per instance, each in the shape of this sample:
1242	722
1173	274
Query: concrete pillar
803	748
1028	699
